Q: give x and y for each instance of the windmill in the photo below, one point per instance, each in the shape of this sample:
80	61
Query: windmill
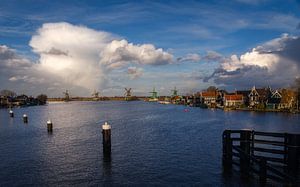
174	92
154	95
95	95
127	94
67	96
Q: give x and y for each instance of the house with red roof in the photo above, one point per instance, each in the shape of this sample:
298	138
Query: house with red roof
233	100
209	98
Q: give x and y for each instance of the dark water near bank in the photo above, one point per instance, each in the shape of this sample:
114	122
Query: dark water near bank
152	144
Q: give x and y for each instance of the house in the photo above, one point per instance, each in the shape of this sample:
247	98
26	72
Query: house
3	101
259	96
233	100
245	94
21	100
209	98
177	100
274	100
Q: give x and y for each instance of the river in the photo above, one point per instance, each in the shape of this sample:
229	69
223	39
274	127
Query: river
152	144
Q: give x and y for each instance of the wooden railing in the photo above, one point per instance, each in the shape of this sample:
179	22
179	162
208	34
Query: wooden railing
274	156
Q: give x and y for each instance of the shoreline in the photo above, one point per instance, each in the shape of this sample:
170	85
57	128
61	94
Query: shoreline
60	100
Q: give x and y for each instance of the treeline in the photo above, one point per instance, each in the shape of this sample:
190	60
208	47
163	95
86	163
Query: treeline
10	98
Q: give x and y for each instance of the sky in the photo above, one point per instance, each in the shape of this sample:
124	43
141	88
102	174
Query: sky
83	46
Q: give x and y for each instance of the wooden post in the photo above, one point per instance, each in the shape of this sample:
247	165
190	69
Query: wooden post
227	151
49	126
25	118
106	140
245	143
293	153
11	113
263	171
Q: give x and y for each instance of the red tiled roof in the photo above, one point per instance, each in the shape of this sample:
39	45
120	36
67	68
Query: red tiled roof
234	97
209	94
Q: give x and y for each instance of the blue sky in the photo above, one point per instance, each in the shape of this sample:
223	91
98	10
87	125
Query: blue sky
178	27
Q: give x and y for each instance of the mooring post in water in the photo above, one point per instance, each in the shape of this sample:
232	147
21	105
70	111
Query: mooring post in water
49	125
25	118
106	140
11	113
227	151
293	153
245	143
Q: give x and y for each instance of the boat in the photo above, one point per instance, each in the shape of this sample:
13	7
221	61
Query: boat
164	102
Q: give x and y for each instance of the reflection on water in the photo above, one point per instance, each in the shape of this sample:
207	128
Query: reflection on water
151	144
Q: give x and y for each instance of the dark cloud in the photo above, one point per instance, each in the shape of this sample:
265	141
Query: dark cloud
134	72
54	51
212	56
275	63
298	26
291	51
189	58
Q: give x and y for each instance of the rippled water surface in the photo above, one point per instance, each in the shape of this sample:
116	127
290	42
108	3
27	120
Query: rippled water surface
152	144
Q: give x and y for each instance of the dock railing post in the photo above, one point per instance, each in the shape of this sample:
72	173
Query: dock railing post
245	144
292	153
227	151
263	171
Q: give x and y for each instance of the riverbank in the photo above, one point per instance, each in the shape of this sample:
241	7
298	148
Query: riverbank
263	110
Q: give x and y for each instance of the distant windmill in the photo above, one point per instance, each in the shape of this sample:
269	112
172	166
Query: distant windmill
67	95
174	92
95	94
127	92
154	94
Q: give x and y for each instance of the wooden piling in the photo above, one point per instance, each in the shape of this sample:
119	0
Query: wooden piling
11	113
49	126
245	143
25	118
106	139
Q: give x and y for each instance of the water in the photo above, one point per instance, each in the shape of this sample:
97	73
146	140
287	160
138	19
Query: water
152	144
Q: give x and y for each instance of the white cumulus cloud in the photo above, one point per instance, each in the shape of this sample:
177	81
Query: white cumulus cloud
120	53
76	58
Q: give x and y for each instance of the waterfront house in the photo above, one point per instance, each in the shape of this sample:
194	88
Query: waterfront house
274	100
233	100
209	98
259	97
245	94
178	100
3	101
21	100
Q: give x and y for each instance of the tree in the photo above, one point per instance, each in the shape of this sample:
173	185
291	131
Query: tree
42	99
211	89
8	93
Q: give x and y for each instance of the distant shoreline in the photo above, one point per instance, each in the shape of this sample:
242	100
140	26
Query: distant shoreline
53	100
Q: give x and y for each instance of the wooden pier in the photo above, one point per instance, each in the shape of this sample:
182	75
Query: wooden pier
269	156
